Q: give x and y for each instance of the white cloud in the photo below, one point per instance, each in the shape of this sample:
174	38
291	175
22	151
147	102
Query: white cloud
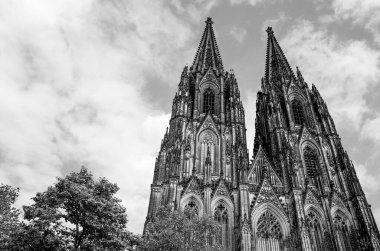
238	33
276	23
360	12
370	129
342	70
71	78
251	2
376	214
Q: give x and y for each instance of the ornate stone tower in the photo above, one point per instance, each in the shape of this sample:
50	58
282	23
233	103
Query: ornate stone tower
303	190
300	191
204	153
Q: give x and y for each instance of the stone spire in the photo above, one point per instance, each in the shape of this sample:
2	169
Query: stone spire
208	53
277	67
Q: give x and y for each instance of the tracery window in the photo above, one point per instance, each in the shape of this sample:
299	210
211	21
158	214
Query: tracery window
342	232
268	227
209	101
191	209
298	112
221	216
310	157
315	231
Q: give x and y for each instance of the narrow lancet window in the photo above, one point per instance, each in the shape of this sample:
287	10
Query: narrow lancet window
311	161
221	216
298	112
209	101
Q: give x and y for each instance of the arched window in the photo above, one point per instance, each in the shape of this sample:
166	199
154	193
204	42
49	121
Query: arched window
268	232
342	232
221	216
268	227
311	160
298	112
191	209
209	101
315	231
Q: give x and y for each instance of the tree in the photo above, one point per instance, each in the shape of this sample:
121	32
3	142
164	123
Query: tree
76	213
9	222
177	230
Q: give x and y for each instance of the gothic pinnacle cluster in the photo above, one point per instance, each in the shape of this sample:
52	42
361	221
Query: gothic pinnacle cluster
299	191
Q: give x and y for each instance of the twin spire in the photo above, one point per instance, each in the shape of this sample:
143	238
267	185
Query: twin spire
208	56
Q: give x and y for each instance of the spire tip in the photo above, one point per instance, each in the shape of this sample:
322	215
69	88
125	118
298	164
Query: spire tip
270	30
209	20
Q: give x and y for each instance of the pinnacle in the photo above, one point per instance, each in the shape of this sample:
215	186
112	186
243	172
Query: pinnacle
269	31
276	65
208	55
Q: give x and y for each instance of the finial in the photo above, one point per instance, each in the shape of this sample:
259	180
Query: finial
270	30
209	20
299	75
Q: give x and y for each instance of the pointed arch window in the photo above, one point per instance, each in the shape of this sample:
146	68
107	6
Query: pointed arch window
342	232
268	227
209	101
221	216
311	160
315	231
298	114
191	209
268	232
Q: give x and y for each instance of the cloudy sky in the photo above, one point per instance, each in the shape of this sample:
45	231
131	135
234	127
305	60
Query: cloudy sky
91	82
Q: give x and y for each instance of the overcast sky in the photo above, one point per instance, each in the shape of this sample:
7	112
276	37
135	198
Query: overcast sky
91	82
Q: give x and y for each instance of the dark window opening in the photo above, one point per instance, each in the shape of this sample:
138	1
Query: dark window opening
310	158
209	101
298	112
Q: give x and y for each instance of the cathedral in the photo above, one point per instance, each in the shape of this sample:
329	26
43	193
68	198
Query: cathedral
298	191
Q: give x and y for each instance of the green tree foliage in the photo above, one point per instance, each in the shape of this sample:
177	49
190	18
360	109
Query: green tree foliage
9	222
177	230
76	213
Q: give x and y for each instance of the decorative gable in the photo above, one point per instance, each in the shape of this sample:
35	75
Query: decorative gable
208	123
310	198
337	201
193	187
295	89
261	167
209	76
305	135
267	194
221	189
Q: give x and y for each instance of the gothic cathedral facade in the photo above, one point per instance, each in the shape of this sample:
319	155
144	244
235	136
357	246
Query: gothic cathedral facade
298	192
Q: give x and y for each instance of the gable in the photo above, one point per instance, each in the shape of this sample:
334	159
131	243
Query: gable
337	201
267	194
208	123
310	198
221	190
192	187
295	90
259	167
209	76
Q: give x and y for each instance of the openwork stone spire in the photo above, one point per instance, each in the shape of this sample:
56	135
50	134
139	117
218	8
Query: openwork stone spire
276	65
208	53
